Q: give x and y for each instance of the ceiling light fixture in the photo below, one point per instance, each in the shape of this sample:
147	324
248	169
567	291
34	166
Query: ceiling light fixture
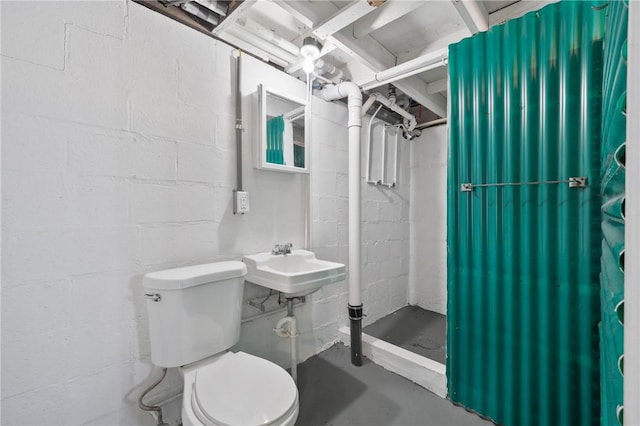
308	66
310	48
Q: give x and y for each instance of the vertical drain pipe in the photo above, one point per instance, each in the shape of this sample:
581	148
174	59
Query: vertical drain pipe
352	91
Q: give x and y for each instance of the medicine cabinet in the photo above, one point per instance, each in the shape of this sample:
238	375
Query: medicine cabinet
283	139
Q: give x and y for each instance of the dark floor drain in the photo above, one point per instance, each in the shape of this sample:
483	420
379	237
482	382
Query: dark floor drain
428	344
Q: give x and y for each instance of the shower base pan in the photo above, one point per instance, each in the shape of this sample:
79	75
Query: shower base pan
414	329
401	341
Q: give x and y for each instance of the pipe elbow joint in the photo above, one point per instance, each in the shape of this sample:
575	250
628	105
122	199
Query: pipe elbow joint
346	89
410	124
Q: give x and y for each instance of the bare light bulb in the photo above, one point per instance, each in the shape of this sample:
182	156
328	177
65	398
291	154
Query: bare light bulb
308	66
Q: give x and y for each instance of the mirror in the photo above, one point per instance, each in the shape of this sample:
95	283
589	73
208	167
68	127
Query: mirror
282	143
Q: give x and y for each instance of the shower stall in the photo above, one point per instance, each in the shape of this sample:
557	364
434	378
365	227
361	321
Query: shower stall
533	324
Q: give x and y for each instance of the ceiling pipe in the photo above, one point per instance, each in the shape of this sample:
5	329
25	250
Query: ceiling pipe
409	120
322	68
354	103
424	63
432	123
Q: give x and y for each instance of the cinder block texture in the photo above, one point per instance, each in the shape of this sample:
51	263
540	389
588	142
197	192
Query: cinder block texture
118	158
428	260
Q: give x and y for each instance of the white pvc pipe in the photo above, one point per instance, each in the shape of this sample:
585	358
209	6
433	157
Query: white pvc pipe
287	327
411	120
352	91
418	65
293	330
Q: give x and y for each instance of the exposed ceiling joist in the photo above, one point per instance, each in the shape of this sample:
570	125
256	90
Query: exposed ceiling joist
233	17
473	14
326	49
374	56
438	86
516	10
367	50
415	88
342	18
301	11
383	15
442	43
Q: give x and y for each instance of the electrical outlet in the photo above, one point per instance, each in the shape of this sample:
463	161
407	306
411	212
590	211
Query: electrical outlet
240	202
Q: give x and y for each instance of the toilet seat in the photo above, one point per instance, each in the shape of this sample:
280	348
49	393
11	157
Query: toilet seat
242	389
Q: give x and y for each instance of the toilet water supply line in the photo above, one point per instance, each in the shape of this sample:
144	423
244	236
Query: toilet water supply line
354	98
153	408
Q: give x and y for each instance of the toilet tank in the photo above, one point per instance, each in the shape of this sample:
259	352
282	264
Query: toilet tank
194	312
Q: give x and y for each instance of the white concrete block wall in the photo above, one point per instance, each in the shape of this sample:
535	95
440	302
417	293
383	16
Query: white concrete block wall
428	276
385	216
118	158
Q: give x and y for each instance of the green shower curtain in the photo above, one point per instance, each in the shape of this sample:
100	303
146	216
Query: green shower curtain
523	259
614	85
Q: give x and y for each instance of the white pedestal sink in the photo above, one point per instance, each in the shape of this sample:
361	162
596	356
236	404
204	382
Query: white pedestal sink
298	273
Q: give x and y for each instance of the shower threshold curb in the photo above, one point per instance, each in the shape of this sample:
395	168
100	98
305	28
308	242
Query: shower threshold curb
423	371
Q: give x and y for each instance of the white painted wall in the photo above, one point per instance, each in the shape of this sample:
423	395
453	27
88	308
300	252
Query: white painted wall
118	158
428	216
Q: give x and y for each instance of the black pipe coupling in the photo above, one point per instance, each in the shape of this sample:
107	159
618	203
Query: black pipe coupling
355	317
355	312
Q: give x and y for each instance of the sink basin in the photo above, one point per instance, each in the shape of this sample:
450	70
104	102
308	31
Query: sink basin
296	274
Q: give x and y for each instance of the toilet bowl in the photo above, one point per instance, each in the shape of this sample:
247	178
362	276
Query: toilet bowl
236	389
194	319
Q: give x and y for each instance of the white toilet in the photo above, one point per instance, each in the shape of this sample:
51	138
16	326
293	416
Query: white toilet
194	318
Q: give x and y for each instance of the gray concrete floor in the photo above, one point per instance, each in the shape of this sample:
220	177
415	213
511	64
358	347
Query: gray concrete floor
334	392
414	329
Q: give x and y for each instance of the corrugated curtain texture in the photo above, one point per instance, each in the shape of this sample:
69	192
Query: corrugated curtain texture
614	84
523	260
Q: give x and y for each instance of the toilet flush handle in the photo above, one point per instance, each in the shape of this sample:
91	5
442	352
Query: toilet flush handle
154	296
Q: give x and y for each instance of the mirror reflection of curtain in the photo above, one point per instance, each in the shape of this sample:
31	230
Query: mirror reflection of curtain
298	155
275	140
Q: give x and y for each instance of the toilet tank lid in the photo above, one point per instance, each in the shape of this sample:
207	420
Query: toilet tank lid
189	276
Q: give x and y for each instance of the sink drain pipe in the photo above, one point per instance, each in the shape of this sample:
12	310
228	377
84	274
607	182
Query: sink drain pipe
354	98
287	327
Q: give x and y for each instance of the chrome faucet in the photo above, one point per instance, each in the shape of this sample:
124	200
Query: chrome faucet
282	249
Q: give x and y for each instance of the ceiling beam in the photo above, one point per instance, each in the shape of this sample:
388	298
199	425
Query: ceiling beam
516	10
301	11
342	18
438	86
383	15
371	54
417	89
473	14
442	43
326	49
233	17
367	50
